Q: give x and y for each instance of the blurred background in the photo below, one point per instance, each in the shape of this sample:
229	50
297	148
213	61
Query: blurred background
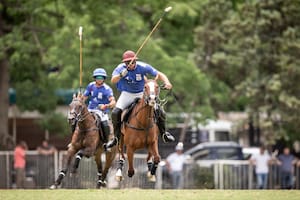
234	66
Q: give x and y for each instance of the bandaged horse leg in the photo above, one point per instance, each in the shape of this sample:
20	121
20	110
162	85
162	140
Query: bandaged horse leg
149	164
155	165
99	168
119	175
70	153
153	150
77	161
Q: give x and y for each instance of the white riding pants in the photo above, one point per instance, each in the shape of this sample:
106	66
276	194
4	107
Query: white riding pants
103	116
126	99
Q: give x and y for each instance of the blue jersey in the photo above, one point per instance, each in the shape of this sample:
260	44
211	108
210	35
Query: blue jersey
98	95
134	81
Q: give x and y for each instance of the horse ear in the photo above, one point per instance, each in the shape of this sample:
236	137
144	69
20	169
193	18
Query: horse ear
79	95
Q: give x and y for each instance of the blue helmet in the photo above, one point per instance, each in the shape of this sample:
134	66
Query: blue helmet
99	72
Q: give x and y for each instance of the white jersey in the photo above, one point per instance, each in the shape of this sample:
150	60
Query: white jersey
176	161
261	162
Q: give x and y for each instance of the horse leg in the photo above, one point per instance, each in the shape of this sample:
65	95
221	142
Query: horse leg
79	155
109	158
156	160
99	168
149	164
130	152
70	153
119	176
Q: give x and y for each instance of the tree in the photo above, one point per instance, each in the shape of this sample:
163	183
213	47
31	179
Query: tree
252	51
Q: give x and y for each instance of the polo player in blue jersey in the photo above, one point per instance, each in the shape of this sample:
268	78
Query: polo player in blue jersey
101	100
129	76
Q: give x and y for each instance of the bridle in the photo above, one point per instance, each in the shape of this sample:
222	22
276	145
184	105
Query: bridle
79	116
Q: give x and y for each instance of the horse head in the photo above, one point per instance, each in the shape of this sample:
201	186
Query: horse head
151	92
77	109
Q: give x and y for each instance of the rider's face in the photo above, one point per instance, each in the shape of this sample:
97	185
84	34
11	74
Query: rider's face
99	80
130	66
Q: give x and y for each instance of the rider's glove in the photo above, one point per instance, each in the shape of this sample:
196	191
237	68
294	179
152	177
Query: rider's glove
123	72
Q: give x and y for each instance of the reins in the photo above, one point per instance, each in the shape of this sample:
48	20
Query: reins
135	116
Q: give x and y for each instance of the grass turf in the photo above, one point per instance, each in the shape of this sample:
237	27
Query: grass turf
140	194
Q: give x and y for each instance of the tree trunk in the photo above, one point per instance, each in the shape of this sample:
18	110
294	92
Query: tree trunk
4	103
5	138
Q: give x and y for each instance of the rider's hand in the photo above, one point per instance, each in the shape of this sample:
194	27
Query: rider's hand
123	72
102	106
168	86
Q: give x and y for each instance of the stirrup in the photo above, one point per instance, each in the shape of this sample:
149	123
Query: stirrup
167	137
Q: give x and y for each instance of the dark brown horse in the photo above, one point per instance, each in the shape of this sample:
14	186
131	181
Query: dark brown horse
85	142
140	131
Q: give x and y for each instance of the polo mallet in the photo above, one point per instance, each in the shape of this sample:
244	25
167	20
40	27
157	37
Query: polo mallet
80	62
167	9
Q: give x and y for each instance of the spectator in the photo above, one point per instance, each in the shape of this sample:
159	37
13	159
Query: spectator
45	164
286	161
175	162
261	162
46	148
20	163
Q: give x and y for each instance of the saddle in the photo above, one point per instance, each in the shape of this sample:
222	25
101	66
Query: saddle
128	110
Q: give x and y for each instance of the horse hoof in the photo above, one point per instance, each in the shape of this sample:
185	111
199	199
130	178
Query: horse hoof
119	178
101	183
149	174
53	187
152	178
130	173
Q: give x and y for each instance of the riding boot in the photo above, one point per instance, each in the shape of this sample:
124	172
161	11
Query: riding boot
116	120
106	131
161	123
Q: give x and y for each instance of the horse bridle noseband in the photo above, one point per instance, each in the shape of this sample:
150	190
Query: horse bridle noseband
79	118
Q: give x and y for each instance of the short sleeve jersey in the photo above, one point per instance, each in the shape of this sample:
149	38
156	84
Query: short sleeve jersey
134	81
98	95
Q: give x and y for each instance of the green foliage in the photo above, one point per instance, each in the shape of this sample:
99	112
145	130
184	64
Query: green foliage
55	123
220	55
253	52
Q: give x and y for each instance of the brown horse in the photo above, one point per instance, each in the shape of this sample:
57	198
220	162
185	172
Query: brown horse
85	142
140	131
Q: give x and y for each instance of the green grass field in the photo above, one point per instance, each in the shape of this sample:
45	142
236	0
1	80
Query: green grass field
133	194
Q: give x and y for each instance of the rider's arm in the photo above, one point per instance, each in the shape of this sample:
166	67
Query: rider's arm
161	76
115	79
112	102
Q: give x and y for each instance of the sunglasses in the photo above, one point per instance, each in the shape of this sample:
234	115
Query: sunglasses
128	62
99	78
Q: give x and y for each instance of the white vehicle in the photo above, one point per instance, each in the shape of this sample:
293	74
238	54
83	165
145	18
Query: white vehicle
215	131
